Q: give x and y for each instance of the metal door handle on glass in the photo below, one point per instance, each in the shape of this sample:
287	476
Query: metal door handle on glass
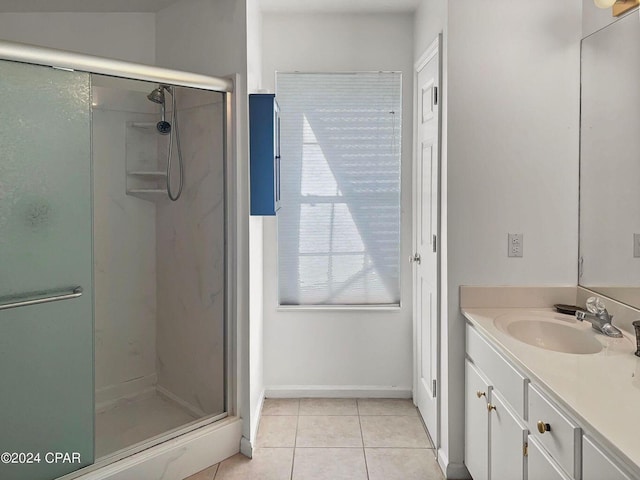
36	298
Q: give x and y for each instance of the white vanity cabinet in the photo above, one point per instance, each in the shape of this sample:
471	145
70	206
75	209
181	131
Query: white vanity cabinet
476	425
514	430
507	437
540	466
495	434
596	465
554	431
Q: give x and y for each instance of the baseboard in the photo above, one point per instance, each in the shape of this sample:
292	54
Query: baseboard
257	416
246	444
109	396
246	448
336	391
178	458
192	409
453	471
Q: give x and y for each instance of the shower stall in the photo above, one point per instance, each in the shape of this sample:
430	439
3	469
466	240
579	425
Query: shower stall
114	259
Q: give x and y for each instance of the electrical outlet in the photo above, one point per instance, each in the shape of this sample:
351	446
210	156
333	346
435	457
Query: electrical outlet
636	244
515	245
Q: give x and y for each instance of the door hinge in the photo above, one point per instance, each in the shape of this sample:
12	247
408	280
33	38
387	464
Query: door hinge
435	243
525	449
434	388
435	95
580	267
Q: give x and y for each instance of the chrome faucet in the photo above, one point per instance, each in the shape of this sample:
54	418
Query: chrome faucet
599	318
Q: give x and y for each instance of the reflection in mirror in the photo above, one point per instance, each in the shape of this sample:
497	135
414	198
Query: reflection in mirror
610	161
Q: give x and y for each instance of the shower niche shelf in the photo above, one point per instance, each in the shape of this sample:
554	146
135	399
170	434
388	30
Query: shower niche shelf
149	175
149	194
146	177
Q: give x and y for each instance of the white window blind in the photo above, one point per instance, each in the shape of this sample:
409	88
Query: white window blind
339	222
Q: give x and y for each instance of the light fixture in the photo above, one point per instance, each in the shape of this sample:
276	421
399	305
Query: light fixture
618	6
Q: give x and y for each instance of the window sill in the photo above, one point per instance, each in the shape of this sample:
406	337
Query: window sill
339	308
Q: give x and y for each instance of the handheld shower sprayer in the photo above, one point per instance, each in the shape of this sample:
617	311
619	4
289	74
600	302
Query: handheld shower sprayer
157	96
164	128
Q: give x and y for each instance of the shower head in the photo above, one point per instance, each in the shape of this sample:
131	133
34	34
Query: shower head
157	95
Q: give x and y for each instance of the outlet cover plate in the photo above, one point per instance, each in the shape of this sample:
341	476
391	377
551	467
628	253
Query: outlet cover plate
515	245
636	245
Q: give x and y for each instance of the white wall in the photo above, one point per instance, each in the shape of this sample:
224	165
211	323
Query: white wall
210	37
513	118
125	36
594	18
348	349
256	248
430	19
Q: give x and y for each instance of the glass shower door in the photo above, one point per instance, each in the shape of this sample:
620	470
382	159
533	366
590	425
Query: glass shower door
46	313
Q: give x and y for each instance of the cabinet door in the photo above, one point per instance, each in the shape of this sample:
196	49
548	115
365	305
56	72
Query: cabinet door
507	439
540	466
596	465
476	434
264	153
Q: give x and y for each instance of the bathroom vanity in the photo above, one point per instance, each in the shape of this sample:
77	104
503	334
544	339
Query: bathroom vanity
547	397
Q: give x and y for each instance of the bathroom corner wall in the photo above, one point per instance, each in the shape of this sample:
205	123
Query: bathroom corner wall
190	262
125	36
124	248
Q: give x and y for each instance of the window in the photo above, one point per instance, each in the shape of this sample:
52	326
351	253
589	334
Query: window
339	222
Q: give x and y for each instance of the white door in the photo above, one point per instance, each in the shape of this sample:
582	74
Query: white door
425	246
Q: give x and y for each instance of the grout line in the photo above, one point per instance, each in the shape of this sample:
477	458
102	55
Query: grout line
295	441
364	453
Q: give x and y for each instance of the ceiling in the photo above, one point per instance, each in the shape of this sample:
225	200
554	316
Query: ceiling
320	6
84	5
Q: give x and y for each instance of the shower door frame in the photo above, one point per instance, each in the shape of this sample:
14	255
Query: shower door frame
72	61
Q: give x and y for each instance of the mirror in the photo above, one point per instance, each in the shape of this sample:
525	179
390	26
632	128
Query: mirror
610	161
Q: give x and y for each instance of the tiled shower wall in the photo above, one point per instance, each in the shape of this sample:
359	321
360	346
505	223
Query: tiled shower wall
159	266
124	248
190	263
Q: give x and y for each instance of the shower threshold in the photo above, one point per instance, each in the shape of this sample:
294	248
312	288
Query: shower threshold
132	421
149	445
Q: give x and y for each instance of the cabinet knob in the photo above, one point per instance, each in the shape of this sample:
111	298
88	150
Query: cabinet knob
480	394
543	427
490	407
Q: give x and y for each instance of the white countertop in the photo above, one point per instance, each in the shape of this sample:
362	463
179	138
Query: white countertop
601	390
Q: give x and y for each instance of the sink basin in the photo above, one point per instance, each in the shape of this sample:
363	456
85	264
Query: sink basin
550	332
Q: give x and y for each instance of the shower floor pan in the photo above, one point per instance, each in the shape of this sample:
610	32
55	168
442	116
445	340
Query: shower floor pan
137	420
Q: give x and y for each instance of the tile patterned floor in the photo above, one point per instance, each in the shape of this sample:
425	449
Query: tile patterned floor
335	439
